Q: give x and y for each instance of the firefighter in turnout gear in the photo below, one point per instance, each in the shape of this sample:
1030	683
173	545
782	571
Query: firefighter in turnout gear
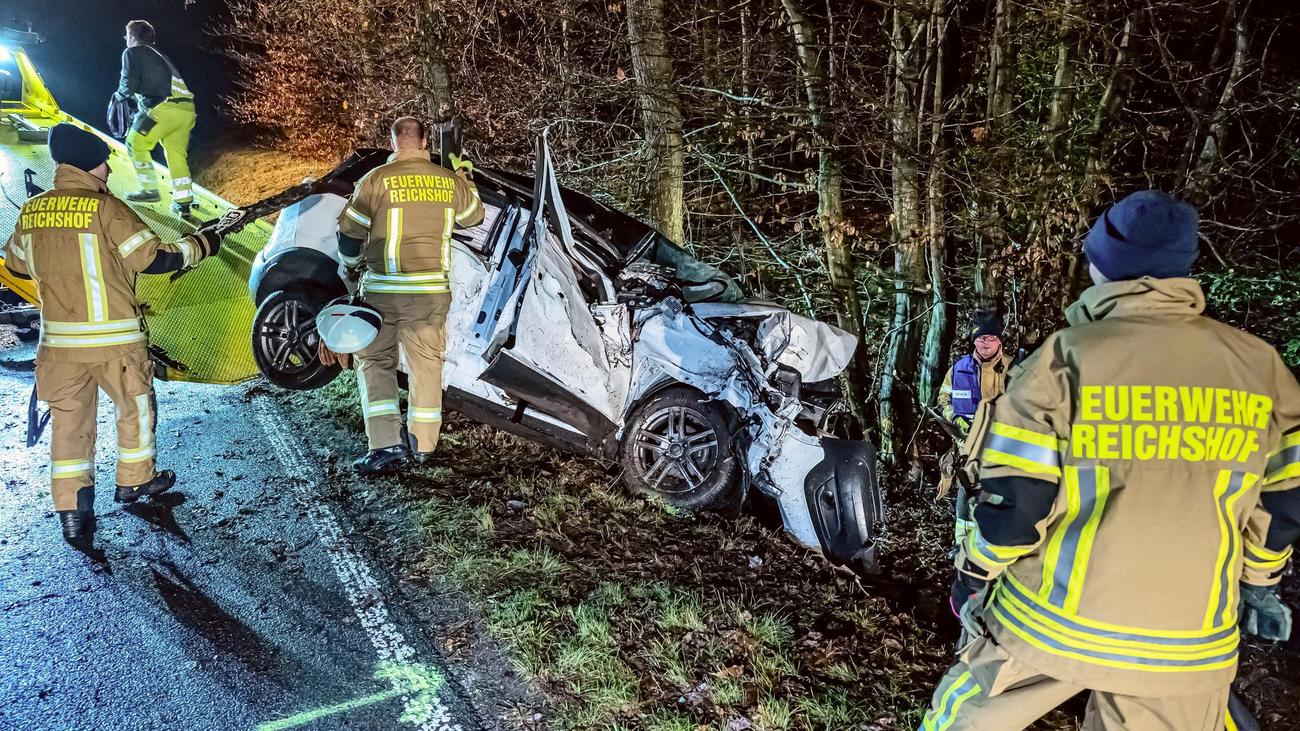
166	115
979	376
397	230
976	379
83	248
1141	497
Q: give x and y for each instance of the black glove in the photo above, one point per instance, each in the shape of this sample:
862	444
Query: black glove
967	600
119	96
209	235
965	587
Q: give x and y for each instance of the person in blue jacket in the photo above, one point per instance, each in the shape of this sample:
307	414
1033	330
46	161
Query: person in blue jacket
979	376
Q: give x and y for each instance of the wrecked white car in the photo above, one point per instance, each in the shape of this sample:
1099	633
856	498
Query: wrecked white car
578	326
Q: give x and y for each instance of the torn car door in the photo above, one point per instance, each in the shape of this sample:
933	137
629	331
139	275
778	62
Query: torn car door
547	351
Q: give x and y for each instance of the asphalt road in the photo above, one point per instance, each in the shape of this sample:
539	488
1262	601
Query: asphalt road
237	601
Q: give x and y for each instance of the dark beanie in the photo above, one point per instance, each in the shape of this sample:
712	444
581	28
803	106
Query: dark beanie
1147	234
74	146
985	322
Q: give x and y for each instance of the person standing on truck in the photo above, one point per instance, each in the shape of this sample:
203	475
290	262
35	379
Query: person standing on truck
84	248
166	115
396	230
1140	500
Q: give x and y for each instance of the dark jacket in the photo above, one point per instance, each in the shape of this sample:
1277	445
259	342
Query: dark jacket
146	72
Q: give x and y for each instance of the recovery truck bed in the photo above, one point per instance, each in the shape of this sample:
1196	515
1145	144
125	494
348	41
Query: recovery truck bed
199	323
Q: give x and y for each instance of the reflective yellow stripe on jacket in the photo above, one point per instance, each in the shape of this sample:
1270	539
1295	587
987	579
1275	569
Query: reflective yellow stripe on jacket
416	283
1284	464
360	218
1022	449
98	331
474	203
1065	561
1061	632
91	334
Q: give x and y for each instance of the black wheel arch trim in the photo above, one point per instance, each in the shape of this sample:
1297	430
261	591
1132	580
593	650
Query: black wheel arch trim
301	267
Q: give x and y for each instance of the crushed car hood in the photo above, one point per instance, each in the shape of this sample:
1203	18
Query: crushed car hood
817	350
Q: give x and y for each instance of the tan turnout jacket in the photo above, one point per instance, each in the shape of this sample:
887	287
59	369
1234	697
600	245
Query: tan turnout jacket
84	249
404	212
1123	472
993	381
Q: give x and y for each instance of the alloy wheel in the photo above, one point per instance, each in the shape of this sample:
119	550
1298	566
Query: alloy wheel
287	337
675	449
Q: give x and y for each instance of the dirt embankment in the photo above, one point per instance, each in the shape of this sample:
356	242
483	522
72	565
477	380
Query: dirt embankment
622	614
244	174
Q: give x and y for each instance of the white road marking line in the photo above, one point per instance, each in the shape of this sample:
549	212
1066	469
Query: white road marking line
359	585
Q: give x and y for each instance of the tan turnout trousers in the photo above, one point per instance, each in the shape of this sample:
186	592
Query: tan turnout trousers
989	690
418	323
72	390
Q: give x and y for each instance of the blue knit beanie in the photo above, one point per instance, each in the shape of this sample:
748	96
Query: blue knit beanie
1147	234
76	147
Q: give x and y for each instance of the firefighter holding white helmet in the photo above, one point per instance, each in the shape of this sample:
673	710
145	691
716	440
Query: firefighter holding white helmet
397	229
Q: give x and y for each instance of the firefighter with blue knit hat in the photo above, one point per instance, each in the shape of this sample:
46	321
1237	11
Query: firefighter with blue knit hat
1140	501
980	375
975	379
84	249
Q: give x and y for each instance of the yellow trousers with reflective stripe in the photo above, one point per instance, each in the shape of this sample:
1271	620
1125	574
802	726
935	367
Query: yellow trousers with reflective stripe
416	322
72	390
989	689
169	123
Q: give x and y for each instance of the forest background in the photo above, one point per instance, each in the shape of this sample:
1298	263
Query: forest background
888	165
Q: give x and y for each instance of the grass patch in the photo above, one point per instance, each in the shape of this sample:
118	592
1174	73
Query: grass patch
625	615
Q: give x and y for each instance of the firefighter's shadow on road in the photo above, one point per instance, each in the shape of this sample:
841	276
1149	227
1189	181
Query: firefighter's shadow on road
159	512
197	611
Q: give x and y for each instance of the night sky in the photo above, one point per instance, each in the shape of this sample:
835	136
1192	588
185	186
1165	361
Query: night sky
81	57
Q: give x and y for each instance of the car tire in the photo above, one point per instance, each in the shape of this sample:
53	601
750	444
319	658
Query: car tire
285	340
677	447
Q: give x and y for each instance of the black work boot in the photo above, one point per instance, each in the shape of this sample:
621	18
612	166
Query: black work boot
382	461
421	458
144	196
161	482
77	524
80	523
182	209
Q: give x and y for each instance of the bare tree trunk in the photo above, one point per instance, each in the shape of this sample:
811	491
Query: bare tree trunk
661	114
1113	98
1001	97
1062	106
1205	93
830	211
909	253
1048	174
1198	187
941	315
437	79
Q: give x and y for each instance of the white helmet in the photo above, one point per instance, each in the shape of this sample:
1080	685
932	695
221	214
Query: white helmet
348	324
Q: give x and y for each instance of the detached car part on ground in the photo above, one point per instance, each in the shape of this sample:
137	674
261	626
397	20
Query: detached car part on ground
580	327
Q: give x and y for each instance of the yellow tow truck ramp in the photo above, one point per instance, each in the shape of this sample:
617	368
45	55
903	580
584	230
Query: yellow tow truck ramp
199	323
